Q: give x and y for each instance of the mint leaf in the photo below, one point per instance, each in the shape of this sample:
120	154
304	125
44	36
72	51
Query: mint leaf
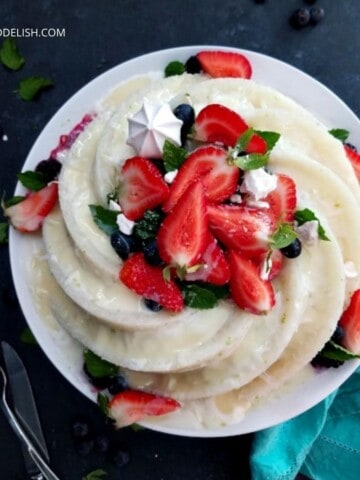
270	138
105	219
306	215
103	402
148	226
173	156
198	297
10	55
340	133
220	291
251	161
33	181
336	352
244	139
174	68
3	232
13	201
98	367
97	474
31	86
136	427
28	337
283	236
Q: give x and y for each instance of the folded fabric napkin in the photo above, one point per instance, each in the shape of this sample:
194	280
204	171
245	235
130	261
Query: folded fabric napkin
322	443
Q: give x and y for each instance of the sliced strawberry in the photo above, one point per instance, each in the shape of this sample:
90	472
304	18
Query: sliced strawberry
270	264
215	267
224	64
216	123
283	200
182	237
210	164
142	187
148	281
248	290
241	227
130	406
28	215
350	321
354	158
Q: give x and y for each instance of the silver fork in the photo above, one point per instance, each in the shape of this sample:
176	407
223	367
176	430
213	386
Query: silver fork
46	472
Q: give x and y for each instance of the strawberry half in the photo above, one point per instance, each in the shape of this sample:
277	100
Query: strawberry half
215	267
131	406
217	123
182	237
354	158
350	321
210	165
247	289
142	187
28	215
241	227
282	200
148	281
224	64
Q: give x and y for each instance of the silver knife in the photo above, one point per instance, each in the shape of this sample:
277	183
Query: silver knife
25	408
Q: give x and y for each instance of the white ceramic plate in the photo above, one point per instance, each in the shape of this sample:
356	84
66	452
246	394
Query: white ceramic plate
65	353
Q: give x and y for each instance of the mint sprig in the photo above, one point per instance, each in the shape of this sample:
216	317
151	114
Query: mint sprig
307	215
97	474
28	337
103	402
10	56
251	161
335	351
33	181
148	226
30	87
283	236
340	133
104	218
203	295
3	232
271	138
98	367
173	156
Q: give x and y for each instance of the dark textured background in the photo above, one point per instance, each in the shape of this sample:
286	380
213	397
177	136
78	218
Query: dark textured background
100	35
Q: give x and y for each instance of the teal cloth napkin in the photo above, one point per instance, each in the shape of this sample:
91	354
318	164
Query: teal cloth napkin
322	443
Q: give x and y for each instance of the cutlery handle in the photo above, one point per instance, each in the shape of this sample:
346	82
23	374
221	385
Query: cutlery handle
46	472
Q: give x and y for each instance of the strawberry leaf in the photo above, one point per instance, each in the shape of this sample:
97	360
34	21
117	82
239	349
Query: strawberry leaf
10	56
270	138
33	181
173	156
198	297
283	236
98	367
306	215
174	68
105	219
3	233
31	86
251	161
340	133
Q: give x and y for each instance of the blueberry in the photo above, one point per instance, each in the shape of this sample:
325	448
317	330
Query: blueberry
293	250
49	168
118	384
122	244
338	335
102	443
192	65
85	447
320	361
185	113
316	15
152	305
80	429
121	457
151	253
300	18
